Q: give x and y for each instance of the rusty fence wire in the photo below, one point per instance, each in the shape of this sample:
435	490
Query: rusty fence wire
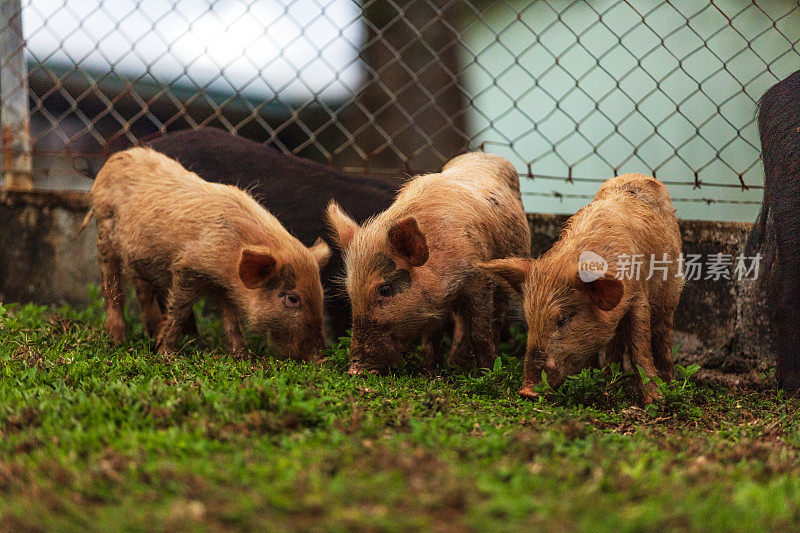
572	92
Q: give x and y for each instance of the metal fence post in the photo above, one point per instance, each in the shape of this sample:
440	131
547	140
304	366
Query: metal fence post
14	98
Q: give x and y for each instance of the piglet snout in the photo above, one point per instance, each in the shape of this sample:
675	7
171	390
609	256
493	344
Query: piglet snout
555	378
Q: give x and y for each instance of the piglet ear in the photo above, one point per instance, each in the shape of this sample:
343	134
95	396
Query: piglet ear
255	268
605	293
513	270
343	227
407	241
321	252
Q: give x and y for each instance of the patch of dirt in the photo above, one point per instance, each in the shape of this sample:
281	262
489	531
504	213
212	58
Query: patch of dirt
11	475
63	325
112	466
429	481
162	415
26	418
351	424
28	355
61	476
12	522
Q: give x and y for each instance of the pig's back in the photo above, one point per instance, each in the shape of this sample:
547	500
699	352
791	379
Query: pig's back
469	186
161	210
630	214
639	188
486	167
139	174
473	211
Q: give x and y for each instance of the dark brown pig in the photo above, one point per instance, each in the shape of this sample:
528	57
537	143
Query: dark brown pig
413	266
584	297
776	233
170	232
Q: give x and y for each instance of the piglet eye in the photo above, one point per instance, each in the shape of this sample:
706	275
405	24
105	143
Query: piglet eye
563	319
291	299
386	290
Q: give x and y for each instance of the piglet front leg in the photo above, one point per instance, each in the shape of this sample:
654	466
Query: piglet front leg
112	281
432	348
182	295
640	349
661	331
234	340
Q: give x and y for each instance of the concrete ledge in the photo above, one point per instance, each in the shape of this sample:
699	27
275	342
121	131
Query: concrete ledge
719	324
67	200
42	257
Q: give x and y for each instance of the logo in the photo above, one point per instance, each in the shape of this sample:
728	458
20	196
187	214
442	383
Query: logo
591	266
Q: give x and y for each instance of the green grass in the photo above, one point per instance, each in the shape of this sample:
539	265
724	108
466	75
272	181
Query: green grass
94	437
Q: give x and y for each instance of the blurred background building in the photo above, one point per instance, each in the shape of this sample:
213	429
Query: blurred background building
572	92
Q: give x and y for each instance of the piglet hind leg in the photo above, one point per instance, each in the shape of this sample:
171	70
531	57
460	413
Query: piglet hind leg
640	349
113	283
148	303
182	294
788	374
502	318
189	328
787	348
786	328
476	345
460	349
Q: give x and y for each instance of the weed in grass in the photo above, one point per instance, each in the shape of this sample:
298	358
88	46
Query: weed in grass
338	353
608	388
683	398
502	380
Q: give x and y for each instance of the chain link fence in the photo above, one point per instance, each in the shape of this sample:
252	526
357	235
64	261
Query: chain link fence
572	92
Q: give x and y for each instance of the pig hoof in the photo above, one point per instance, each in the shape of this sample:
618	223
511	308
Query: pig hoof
355	371
242	353
116	330
163	349
650	394
647	399
152	328
527	392
316	358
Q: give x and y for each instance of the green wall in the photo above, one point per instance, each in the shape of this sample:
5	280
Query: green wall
614	92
